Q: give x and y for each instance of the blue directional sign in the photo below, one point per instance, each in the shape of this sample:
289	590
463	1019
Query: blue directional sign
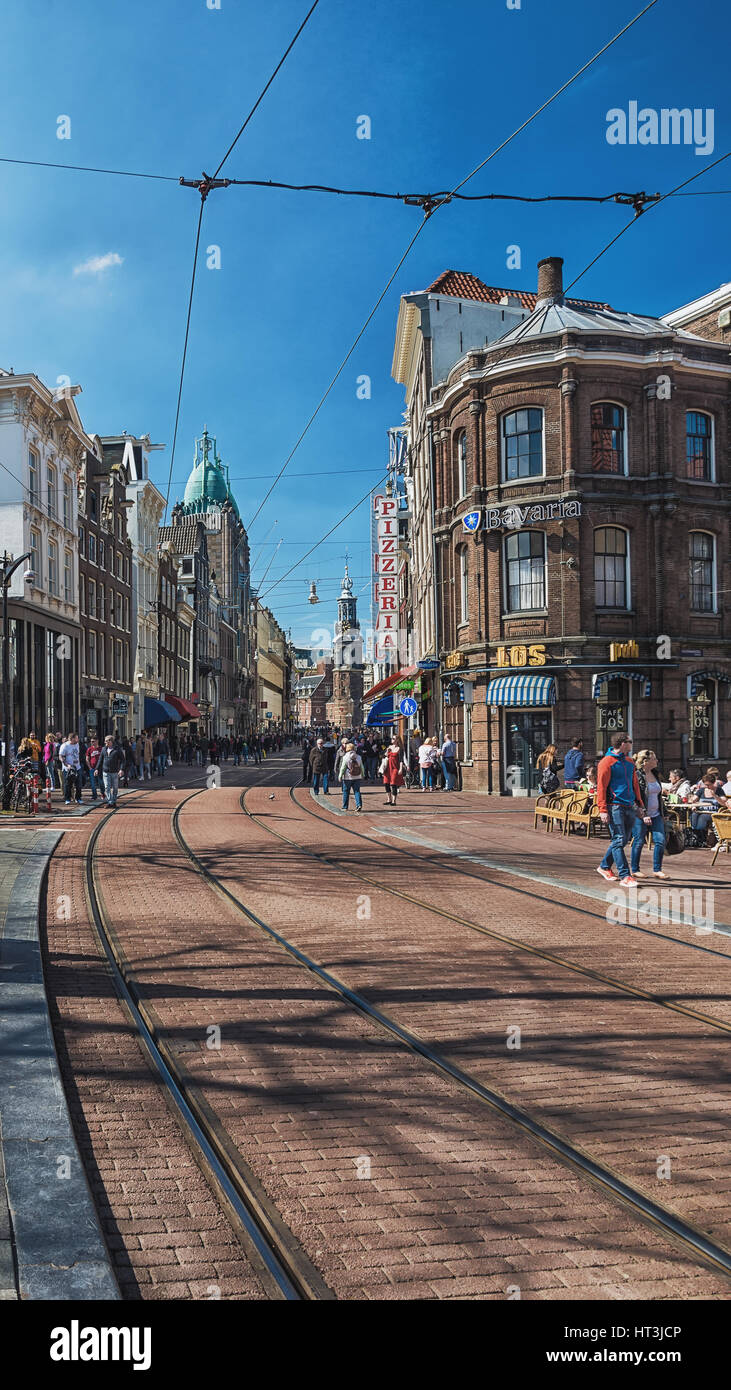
429	663
471	520
408	706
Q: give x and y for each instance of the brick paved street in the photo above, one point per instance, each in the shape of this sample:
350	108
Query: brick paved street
393	1179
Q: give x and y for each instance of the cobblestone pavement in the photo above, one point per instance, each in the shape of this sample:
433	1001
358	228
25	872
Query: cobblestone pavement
397	1183
165	1232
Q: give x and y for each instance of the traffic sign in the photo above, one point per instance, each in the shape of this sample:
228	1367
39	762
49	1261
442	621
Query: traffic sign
408	706
429	663
270	714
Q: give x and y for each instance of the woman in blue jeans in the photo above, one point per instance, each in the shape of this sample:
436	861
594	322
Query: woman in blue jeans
654	817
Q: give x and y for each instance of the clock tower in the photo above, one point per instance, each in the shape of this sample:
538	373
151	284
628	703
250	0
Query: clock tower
344	709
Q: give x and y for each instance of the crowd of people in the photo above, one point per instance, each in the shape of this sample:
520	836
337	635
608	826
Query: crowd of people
634	801
362	756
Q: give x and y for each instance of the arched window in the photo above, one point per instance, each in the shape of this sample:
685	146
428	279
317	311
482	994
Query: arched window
699	446
525	571
522	444
608	438
462	464
702	572
611	567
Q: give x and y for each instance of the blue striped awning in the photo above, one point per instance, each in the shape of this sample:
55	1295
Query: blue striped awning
521	690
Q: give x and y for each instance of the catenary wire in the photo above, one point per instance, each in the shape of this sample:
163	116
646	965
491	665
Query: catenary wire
417	234
184	356
671	194
265	89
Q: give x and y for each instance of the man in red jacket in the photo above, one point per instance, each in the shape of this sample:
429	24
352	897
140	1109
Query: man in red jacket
619	801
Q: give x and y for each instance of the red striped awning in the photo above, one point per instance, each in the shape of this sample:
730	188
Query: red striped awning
186	709
390	682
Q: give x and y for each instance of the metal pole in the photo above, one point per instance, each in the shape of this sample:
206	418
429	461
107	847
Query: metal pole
6	691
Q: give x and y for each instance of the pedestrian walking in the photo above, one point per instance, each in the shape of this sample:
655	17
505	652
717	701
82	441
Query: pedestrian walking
49	759
320	765
393	769
653	818
306	769
71	766
111	763
619	802
351	773
93	754
448	755
147	758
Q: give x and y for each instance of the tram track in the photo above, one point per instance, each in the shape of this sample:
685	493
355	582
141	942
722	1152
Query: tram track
681	1234
284	1270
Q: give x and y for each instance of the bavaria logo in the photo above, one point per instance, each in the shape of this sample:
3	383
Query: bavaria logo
471	521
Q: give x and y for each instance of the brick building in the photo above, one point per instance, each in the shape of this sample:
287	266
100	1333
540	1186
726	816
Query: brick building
311	693
581	508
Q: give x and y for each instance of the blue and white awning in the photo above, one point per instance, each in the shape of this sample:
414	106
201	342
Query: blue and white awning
521	690
599	680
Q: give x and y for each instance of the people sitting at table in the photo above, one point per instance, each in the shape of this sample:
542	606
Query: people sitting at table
705	804
678	786
727	784
713	772
588	781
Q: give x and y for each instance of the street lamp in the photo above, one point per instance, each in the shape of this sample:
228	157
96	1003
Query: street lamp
7	570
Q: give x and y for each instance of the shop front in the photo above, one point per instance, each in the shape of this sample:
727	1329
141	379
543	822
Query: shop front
525	705
94	702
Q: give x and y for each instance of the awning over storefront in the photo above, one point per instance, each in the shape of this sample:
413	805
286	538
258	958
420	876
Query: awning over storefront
618	673
186	709
697	678
159	712
381	713
521	690
390	682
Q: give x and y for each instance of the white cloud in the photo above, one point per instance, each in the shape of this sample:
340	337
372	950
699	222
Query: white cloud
96	264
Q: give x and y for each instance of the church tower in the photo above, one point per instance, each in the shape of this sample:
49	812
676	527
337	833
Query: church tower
344	709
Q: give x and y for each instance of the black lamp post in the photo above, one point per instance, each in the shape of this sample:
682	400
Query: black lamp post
7	570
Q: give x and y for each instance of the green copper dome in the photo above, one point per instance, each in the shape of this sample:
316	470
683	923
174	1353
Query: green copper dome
208	485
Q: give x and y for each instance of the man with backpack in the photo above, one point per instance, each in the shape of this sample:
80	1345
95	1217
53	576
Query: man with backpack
350	772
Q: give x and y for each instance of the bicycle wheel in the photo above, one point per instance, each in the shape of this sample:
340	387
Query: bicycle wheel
20	797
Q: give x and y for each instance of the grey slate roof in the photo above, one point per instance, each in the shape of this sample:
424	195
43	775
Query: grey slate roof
552	316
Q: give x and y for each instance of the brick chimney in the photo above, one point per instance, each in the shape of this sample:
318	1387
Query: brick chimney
550	279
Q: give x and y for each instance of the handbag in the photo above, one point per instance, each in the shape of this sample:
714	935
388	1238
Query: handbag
674	840
382	767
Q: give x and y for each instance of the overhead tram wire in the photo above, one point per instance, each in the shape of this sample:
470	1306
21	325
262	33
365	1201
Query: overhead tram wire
674	192
265	89
429	210
184	356
204	189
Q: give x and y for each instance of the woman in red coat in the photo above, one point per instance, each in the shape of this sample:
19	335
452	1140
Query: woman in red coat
393	769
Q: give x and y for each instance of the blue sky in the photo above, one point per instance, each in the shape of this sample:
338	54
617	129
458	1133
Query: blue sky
163	86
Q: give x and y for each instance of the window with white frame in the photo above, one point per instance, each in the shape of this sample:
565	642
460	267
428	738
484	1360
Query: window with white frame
102	653
51	490
101	603
699	446
53	568
101	554
522	444
34	465
35	560
702	572
92	548
91	636
462	464
92	599
67	509
611	567
68	576
525	571
608	438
